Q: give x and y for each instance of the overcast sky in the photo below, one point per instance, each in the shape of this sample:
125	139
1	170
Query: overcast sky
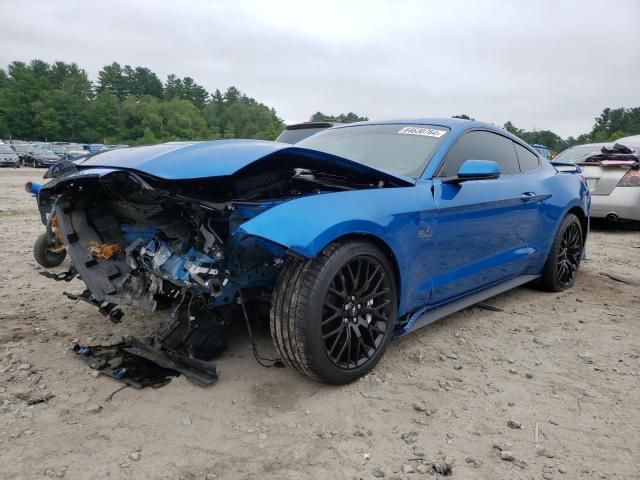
541	64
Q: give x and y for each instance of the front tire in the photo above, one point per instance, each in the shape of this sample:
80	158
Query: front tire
562	265
43	254
332	316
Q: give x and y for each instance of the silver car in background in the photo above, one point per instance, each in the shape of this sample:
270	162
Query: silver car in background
613	177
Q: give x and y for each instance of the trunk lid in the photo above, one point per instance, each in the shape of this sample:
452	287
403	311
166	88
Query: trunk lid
602	180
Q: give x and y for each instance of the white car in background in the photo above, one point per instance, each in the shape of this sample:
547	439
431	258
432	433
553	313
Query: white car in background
613	178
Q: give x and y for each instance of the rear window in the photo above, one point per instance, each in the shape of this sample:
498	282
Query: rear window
577	153
294	136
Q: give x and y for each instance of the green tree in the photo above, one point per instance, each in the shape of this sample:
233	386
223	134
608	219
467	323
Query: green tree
112	79
106	123
173	87
342	118
142	81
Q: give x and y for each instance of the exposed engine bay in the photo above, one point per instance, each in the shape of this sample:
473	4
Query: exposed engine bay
174	245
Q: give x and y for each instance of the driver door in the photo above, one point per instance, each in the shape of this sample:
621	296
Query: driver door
484	227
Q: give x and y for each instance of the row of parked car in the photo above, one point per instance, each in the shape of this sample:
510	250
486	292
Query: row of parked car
16	153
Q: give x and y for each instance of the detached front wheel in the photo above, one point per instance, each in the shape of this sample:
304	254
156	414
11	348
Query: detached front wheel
332	316
47	255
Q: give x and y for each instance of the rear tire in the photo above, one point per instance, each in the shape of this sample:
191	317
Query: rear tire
562	265
332	316
44	256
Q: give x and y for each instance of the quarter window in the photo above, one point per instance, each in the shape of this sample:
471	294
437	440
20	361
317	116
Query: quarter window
528	161
481	145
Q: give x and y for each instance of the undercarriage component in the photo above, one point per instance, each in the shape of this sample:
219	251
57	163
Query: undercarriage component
145	363
106	309
200	372
196	335
62	276
116	362
198	331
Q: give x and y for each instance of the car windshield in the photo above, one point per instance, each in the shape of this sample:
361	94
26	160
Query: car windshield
576	153
6	149
400	149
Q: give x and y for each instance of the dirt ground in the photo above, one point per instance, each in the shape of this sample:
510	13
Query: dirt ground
471	390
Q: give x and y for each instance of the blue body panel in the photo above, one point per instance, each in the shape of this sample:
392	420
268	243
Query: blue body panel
448	240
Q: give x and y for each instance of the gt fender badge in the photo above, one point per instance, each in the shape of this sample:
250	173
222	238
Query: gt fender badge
425	231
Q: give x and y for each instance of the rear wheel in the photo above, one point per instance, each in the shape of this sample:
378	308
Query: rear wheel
332	316
563	262
44	255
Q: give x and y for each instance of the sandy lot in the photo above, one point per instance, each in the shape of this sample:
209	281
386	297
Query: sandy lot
566	365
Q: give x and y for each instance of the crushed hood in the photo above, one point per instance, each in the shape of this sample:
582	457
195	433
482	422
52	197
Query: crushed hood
219	158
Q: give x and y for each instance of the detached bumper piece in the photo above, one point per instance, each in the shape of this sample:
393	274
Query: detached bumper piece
143	363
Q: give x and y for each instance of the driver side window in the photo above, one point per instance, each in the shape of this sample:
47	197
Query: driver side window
481	145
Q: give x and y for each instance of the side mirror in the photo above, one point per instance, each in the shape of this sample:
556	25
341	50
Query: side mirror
475	170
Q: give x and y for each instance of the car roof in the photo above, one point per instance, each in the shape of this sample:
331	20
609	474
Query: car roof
632	139
443	122
456	125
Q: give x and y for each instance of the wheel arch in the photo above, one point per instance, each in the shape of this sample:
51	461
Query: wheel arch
583	217
386	249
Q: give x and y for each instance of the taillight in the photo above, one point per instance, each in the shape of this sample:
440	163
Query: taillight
630	179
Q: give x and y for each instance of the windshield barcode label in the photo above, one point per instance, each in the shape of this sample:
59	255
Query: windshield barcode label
427	132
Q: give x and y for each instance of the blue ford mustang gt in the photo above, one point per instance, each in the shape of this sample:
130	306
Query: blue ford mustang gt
355	234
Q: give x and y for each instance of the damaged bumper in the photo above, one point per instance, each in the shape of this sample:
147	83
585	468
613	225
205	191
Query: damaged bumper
135	245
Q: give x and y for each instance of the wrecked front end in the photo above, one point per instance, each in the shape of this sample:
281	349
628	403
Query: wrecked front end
175	245
153	246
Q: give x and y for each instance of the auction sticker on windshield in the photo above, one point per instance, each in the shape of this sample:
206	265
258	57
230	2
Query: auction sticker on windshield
424	131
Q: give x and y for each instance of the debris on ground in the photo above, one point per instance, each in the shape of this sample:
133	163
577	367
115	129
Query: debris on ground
144	363
513	424
94	408
620	278
444	467
41	399
410	437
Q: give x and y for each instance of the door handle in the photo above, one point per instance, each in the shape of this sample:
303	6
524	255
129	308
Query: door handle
527	196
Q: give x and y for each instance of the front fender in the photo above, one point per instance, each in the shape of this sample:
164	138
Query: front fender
307	224
394	216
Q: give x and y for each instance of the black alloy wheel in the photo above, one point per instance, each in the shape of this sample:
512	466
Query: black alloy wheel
569	254
356	312
333	315
563	261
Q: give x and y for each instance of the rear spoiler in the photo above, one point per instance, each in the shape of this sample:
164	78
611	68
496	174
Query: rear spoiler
566	167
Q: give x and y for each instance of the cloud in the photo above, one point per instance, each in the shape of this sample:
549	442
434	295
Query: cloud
543	64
